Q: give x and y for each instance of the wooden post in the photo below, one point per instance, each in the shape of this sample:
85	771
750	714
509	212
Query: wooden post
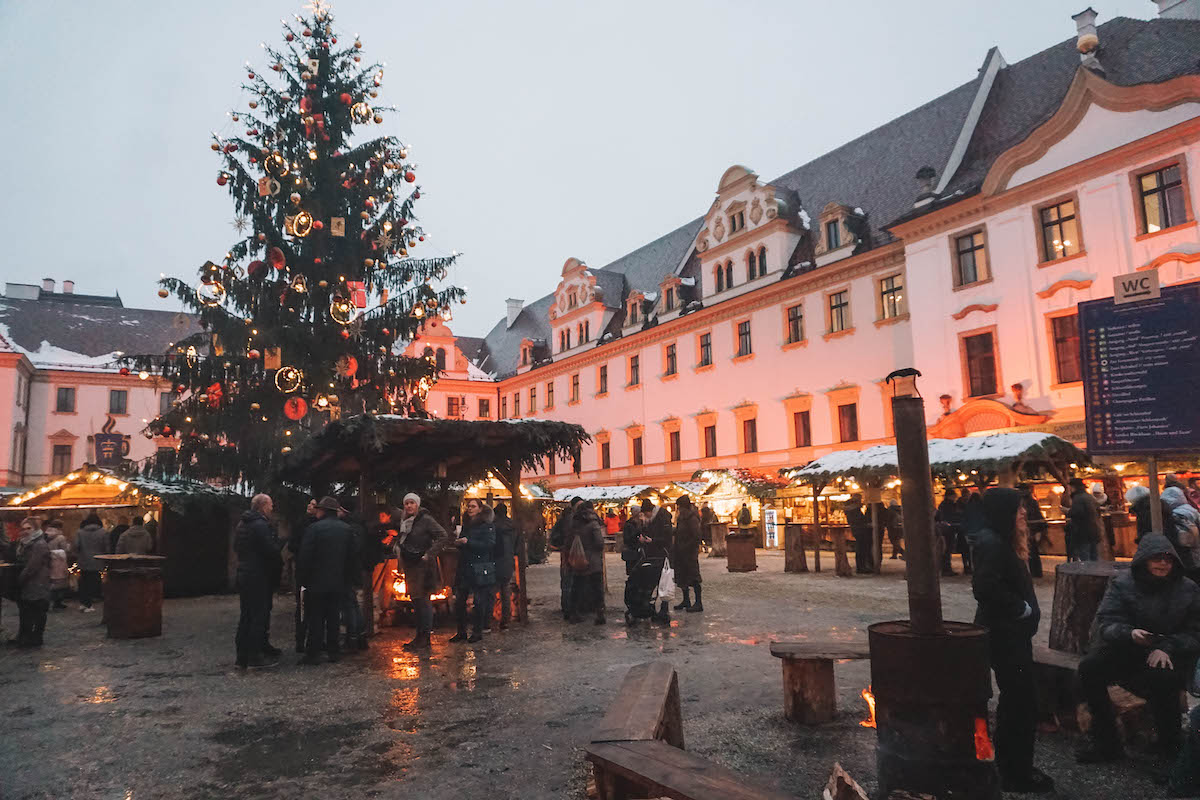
368	581
1156	518
916	498
522	543
841	562
876	538
818	534
809	694
794	559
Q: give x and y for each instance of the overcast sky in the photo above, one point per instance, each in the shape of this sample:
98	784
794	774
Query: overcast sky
542	130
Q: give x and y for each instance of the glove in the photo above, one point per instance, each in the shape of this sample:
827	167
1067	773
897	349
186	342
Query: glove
1028	612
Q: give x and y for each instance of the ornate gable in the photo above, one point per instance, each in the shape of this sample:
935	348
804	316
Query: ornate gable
577	289
743	204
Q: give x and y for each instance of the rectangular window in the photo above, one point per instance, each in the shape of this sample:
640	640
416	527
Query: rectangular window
165	400
669	299
673	442
453	407
743	333
485	408
720	278
636	445
802	428
1066	348
635	371
550	394
833	235
532	399
891	297
710	441
839	311
970	259
633	313
672	362
1060	231
61	462
602	381
795	324
848	422
575	388
605	455
750	435
516	404
64	400
503	408
1163	203
118	401
981	364
737	222
705	349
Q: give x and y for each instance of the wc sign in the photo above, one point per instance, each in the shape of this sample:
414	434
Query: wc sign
1136	286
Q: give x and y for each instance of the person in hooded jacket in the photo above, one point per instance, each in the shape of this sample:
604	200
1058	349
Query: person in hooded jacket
1138	498
633	540
506	545
1008	608
686	554
588	592
135	540
258	557
476	573
1083	522
33	581
114	535
91	540
1187	529
1147	639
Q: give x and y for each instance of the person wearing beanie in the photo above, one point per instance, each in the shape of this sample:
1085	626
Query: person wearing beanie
421	539
686	554
91	540
659	534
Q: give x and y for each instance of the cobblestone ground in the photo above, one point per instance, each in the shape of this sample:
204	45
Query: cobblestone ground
88	717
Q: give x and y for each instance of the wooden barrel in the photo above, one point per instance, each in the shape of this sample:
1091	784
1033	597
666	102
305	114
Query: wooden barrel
794	558
1079	587
740	555
718	531
133	600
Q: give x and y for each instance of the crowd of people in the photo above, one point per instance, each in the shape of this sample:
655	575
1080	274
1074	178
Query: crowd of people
44	556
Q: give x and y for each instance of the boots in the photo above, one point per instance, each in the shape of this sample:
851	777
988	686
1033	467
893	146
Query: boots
698	605
687	600
664	615
461	636
419	642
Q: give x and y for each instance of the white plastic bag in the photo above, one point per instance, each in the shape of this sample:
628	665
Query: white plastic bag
666	582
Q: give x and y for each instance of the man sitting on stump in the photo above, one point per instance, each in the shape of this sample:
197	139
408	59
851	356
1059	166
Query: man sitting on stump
1148	638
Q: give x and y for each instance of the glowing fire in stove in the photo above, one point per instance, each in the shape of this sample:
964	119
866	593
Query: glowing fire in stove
983	743
870	698
400	589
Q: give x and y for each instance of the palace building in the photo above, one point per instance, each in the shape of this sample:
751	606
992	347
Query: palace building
957	238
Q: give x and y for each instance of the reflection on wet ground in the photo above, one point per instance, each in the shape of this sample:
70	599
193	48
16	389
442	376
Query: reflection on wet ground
501	719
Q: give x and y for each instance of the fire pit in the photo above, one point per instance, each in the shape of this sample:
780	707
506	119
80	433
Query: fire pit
931	709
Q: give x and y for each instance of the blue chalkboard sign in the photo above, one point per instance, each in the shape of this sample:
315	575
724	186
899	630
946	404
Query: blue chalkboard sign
1141	373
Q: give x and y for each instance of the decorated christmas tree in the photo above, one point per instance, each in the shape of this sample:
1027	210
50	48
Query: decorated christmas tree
305	316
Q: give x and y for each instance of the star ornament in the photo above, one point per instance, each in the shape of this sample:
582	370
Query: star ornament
384	241
240	223
319	8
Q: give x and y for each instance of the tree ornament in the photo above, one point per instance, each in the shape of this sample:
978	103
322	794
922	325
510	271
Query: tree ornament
222	179
233	117
360	112
163	293
210	294
253	104
341	310
302	224
295	198
307	31
346	366
216	147
346	99
318	225
231	147
214	395
255	406
256	269
253	355
295	408
345	333
288	379
275	259
124	370
410	176
276	165
378	119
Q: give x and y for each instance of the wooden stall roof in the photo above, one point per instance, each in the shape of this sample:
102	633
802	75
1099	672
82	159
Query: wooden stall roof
92	487
411	450
759	485
948	457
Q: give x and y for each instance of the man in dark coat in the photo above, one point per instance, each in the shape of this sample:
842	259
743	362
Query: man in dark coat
659	533
91	540
115	534
895	528
329	546
860	529
1009	609
1036	522
1147	639
421	539
1083	522
949	525
558	539
686	556
1138	498
352	613
257	549
506	540
632	553
295	540
587	594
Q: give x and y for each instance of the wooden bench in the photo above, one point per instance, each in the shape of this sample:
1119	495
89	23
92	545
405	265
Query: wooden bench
809	693
1060	700
637	750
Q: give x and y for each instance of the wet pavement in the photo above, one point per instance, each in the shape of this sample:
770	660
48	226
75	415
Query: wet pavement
89	717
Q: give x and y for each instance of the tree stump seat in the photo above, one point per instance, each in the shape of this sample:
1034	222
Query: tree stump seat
637	750
809	692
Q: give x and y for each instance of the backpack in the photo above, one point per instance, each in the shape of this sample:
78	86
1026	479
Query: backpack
577	558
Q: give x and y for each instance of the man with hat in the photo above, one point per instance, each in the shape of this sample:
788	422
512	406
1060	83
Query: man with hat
328	553
421	539
258	557
1083	523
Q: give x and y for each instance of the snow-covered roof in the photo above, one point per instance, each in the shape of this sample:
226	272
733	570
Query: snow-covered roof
691	487
945	455
600	493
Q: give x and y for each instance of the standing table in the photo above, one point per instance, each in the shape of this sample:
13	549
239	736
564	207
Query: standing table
133	595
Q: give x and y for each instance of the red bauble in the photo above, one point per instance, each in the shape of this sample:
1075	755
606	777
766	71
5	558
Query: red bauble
422	238
307	31
317	260
346	98
250	75
345	333
290	37
253	355
256	269
214	395
334	40
416	195
294	408
124	370
229	148
166	430
369	203
275	258
318	225
222	179
312	87
410	176
306	104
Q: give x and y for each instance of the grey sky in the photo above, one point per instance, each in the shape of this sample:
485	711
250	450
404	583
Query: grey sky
542	130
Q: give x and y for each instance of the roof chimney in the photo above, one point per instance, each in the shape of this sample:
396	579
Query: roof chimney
68	287
47	284
926	181
1089	40
514	310
1178	9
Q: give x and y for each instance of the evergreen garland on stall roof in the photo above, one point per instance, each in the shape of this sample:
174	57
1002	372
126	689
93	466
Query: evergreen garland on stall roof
305	317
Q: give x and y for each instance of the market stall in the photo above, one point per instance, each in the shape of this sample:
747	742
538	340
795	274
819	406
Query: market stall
728	490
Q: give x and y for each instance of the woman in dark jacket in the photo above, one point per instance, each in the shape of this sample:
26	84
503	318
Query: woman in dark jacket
686	555
506	537
1009	609
587	593
476	569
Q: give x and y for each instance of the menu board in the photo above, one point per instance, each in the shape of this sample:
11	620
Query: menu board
1141	373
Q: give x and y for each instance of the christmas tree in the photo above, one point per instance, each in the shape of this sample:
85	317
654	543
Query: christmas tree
302	316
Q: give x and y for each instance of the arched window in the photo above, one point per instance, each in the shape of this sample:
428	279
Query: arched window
729	274
427	352
720	278
440	359
751	266
762	261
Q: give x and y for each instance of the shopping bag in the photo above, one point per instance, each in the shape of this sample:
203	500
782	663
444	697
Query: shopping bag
666	582
577	558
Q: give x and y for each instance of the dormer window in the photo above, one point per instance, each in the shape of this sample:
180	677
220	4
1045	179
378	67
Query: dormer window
572	299
762	261
564	340
737	221
833	234
633	312
669	299
585	331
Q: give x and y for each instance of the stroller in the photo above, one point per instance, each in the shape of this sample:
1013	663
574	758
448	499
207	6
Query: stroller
641	588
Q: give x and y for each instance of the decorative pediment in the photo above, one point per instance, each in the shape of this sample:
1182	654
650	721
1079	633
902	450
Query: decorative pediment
577	289
742	204
982	415
62	437
1086	125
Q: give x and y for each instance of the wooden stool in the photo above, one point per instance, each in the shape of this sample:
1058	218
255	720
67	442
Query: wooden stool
809	694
